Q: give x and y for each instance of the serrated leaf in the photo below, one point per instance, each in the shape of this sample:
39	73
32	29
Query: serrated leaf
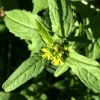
21	24
39	5
61	69
86	69
27	70
61	17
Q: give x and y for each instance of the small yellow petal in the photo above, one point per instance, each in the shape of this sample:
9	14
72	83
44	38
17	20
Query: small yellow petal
54	61
44	50
61	63
44	55
56	48
57	61
65	48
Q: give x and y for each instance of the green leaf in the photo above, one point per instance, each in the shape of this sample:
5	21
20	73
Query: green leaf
61	17
21	24
61	69
27	70
93	50
61	85
81	29
39	5
35	44
86	69
11	96
79	39
45	21
47	38
92	28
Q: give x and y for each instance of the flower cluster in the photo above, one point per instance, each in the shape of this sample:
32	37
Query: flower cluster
55	54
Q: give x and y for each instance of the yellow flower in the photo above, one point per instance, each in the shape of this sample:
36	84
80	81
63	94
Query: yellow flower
60	62
65	48
55	55
57	61
56	48
46	54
